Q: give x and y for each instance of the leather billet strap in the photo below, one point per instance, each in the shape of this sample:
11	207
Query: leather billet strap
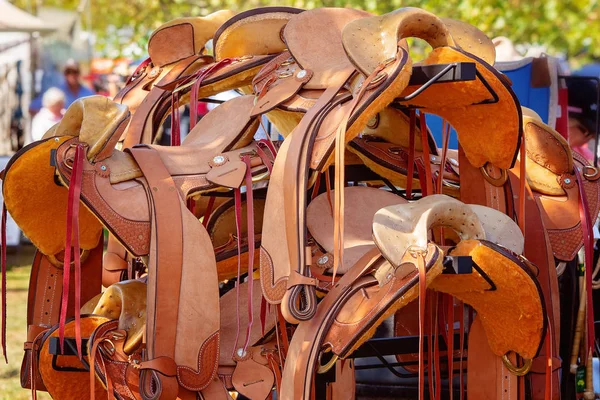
538	252
143	115
295	180
164	271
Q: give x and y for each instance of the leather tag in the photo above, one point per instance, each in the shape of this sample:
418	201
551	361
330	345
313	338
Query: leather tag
252	379
229	175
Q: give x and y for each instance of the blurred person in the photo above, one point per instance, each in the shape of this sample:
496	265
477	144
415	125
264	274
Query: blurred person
72	87
583	95
53	103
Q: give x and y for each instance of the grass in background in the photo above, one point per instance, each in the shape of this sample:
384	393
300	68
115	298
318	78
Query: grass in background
16	327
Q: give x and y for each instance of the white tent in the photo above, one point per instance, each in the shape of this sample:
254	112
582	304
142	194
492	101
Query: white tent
13	19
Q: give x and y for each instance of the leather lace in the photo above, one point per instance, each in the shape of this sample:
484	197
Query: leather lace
340	148
411	153
250	229
588	245
422	298
72	245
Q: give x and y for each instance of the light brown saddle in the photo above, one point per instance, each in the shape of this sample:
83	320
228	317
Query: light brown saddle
374	289
336	116
124	305
114	181
551	176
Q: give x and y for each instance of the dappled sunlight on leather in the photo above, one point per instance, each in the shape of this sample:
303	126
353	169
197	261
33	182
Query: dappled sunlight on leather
513	315
253	32
39	206
371	41
190	34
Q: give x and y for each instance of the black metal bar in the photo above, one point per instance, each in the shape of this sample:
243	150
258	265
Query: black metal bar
396	345
70	347
462	71
212	101
489	89
428	83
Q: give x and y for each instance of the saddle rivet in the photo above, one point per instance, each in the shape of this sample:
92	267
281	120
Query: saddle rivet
301	74
567	181
56	139
218	159
155	188
103	167
241	353
322	260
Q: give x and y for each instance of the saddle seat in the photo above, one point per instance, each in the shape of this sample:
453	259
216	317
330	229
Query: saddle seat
361	205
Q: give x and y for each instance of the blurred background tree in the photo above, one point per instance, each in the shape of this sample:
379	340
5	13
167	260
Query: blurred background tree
568	27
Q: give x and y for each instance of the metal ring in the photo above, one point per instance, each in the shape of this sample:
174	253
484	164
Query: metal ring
61	264
589	175
105	351
321	369
494	181
518	371
285	74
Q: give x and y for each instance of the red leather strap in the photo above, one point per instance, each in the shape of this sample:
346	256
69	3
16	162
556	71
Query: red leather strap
422	299
411	153
522	190
445	140
250	228
285	341
208	211
436	349
237	195
268	144
138	70
548	393
72	244
266	160
175	120
588	246
201	75
450	342
4	267
426	155
275	367
429	322
461	319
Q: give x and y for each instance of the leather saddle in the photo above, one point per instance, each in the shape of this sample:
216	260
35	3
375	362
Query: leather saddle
557	187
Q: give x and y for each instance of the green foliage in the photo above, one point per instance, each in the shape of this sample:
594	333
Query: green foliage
569	27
